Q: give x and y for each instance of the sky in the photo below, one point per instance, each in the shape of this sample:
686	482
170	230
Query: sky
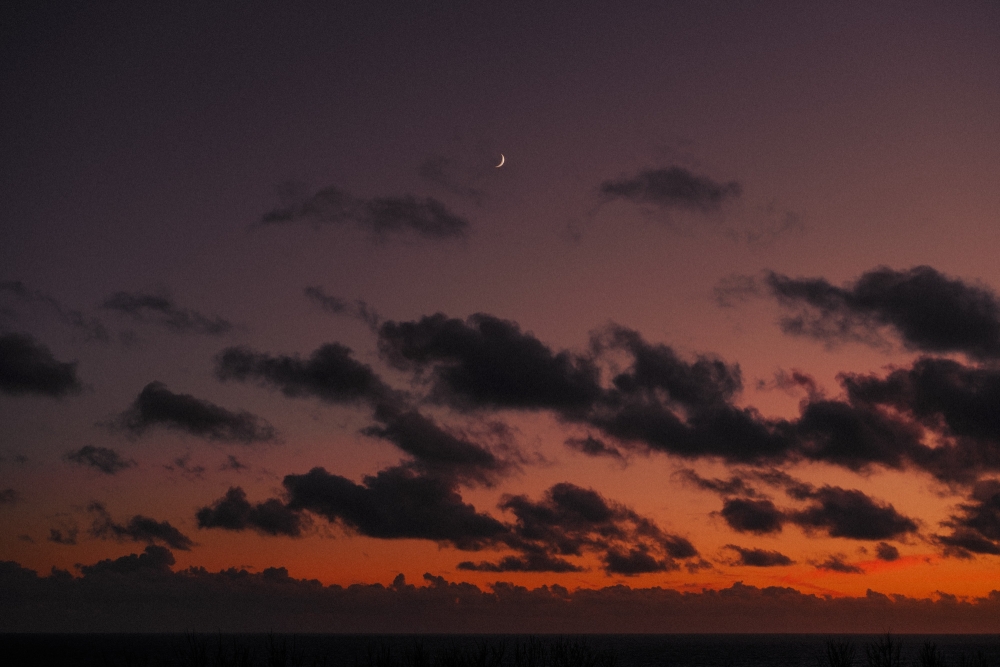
720	334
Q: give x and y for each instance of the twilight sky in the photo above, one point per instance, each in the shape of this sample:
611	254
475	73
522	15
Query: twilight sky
728	312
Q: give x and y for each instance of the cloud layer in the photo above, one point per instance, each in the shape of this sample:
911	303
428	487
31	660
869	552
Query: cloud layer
141	593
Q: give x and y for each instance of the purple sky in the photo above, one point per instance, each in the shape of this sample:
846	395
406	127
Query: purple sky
727	313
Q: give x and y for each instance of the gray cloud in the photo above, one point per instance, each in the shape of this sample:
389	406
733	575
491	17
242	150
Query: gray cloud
734	486
356	308
447	174
104	459
425	217
672	188
91	327
592	446
233	463
183	464
64	536
162	310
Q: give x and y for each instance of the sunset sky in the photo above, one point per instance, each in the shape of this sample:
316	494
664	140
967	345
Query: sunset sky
729	311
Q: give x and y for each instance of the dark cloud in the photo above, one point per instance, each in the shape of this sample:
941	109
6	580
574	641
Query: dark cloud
357	308
28	367
91	327
234	512
752	516
642	395
395	503
793	382
963	542
839	512
852	514
707	382
104	459
425	217
735	289
672	188
158	406
403	502
570	521
887	552
162	310
837	563
183	464
155	559
660	401
665	403
330	374
138	529
233	463
142	593
329	205
64	536
488	362
8	497
436	450
926	309
734	486
976	527
739	484
635	561
855	437
759	557
947	397
592	446
531	562
779	478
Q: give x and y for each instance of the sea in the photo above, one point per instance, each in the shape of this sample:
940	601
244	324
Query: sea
702	650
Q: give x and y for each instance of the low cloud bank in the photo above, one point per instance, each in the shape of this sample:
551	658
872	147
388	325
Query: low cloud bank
141	593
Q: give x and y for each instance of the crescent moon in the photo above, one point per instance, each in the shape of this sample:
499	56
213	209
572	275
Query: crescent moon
502	158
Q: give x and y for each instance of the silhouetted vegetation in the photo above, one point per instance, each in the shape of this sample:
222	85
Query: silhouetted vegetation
884	652
203	650
840	654
930	656
313	650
